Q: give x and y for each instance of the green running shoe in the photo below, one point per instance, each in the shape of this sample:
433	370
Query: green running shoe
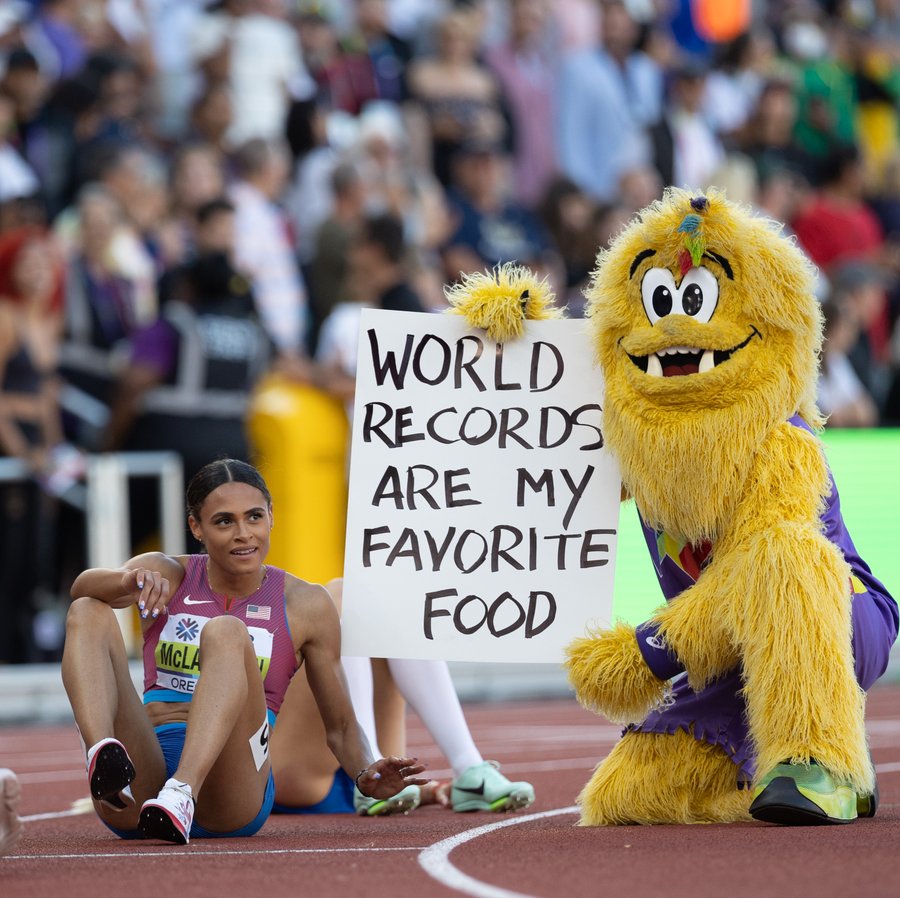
403	802
867	805
484	788
802	795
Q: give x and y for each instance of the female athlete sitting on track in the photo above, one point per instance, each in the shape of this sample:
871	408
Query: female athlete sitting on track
199	746
306	781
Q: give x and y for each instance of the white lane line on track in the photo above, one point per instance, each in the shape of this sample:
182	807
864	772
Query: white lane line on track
55	815
126	854
435	860
53	776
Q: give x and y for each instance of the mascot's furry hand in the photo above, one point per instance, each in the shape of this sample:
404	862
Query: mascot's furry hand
500	302
610	676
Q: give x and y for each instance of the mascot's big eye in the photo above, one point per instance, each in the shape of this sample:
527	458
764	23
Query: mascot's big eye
657	293
699	294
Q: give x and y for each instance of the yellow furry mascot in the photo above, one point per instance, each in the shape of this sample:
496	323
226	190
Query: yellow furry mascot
745	693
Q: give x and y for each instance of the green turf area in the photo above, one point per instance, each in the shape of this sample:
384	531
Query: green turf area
866	468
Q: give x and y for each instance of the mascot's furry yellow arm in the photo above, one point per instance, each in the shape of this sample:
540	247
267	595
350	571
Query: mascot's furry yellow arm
501	301
708	334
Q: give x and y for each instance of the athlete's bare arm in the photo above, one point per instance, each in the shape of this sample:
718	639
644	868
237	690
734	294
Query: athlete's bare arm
148	580
317	637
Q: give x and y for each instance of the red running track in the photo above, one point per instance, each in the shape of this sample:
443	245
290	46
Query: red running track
538	852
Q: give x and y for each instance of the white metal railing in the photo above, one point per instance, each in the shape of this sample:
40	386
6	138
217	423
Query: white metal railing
108	513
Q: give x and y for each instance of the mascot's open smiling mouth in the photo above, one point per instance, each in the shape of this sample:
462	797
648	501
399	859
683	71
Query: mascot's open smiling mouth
677	361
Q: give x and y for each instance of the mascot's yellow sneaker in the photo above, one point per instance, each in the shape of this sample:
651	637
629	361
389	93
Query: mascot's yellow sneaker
807	795
867	805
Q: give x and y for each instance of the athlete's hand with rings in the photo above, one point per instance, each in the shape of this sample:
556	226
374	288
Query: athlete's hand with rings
386	777
150	588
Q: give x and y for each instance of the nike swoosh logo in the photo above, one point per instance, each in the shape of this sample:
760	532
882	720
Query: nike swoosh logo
189	601
478	791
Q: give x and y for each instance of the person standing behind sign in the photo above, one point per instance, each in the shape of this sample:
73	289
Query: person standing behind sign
199	746
378	263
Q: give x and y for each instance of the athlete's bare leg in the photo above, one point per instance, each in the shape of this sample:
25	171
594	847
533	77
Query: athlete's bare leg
302	762
104	701
390	710
227	711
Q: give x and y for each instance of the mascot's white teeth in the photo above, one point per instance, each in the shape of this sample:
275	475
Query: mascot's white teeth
678	361
674	350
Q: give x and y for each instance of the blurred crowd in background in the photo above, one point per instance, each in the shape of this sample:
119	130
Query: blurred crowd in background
194	193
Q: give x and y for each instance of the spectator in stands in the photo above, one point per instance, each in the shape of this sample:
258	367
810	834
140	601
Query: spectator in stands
389	54
837	225
734	85
768	137
259	56
187	383
30	428
491	227
17	178
606	98
263	250
841	395
526	66
25	85
122	101
314	158
328	272
821	52
686	150
211	115
101	308
379	279
135	179
343	73
196	176
460	95
62	44
567	214
861	286
394	182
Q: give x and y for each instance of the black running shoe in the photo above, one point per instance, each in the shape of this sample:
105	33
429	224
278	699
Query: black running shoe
110	773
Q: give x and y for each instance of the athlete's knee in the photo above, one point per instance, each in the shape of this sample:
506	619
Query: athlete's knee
224	631
90	612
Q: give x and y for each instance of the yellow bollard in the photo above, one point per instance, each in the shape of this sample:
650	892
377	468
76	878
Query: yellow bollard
300	438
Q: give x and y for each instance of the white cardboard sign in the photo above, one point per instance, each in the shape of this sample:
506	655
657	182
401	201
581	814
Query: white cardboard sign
483	513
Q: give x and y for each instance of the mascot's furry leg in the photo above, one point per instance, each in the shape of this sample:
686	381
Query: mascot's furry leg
662	778
649	777
803	702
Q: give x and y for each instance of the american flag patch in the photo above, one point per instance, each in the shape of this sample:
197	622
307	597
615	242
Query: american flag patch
259	612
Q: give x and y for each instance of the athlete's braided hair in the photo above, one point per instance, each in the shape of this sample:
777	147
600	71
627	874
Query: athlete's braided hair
213	475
